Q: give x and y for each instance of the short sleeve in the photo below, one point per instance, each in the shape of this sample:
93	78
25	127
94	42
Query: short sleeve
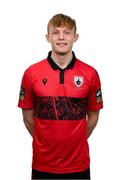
26	97
95	100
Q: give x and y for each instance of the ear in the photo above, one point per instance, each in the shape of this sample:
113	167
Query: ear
47	37
76	36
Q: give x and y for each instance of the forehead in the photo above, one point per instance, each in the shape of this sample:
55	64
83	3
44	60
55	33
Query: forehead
63	28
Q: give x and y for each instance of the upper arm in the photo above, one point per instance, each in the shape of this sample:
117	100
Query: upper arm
28	115
26	98
95	102
93	115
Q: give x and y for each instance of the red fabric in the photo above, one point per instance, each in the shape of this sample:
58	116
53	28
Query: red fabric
60	146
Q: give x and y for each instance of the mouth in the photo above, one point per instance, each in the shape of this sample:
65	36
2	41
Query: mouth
61	44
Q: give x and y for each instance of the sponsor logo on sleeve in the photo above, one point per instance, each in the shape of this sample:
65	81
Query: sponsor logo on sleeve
22	94
98	95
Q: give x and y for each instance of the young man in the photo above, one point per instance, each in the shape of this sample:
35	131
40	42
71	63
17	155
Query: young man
60	99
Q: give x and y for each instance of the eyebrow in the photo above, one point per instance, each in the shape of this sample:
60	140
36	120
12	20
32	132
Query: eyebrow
66	29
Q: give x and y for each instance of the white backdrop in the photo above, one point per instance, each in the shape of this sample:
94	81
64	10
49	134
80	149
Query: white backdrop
22	43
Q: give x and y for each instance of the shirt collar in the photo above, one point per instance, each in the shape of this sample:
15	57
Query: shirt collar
55	66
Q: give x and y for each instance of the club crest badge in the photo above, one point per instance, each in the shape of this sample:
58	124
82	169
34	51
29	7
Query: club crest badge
78	81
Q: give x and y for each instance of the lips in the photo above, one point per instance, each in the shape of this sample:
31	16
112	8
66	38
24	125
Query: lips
61	44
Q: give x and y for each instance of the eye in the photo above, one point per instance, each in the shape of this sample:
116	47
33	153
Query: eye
67	32
55	32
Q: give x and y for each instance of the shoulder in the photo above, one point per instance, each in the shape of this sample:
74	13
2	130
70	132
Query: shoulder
85	66
36	67
39	65
86	69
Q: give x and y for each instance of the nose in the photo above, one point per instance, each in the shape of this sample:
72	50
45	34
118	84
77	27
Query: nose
61	36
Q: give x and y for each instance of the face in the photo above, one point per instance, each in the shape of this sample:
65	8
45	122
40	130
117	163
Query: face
61	39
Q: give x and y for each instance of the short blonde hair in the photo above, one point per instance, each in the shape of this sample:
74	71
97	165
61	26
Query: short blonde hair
62	20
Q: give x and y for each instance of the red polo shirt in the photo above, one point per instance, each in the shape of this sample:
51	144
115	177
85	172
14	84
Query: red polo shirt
61	99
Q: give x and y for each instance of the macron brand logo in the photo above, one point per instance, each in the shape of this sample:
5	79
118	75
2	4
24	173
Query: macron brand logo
44	81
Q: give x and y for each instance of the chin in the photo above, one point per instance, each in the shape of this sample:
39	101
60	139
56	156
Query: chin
62	52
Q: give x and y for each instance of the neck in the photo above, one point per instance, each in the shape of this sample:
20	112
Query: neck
62	60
